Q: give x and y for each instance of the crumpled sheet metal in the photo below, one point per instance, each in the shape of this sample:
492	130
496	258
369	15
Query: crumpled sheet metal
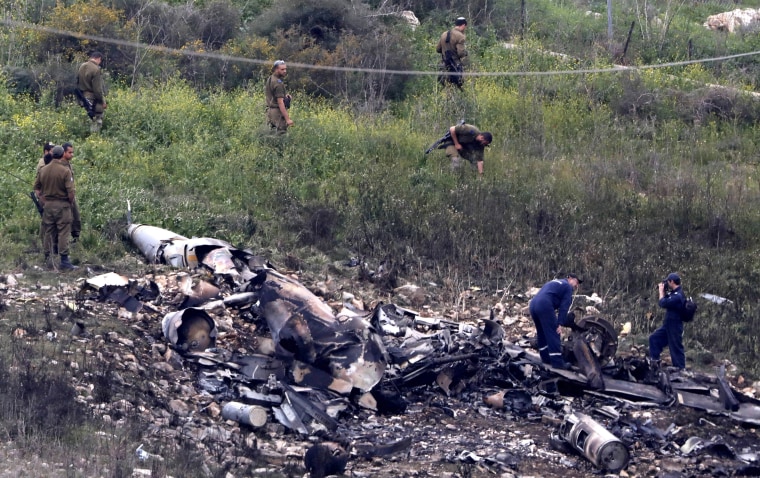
190	329
121	290
302	326
305	328
108	279
196	292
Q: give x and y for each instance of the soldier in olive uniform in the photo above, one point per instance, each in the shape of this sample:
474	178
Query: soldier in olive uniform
76	222
90	82
47	156
453	52
468	142
55	188
278	101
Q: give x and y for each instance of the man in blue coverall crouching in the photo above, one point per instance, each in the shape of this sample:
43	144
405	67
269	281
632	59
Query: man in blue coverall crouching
549	309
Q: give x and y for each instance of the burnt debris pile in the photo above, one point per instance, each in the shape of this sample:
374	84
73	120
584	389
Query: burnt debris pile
380	388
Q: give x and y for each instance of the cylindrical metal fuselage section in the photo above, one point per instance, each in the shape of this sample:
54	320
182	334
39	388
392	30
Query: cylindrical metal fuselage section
601	447
252	415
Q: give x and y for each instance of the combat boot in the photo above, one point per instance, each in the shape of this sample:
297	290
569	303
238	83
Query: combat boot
66	265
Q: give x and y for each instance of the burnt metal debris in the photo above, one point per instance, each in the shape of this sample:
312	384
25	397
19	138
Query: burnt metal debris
313	365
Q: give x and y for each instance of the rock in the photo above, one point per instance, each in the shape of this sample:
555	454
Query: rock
733	20
180	408
163	367
213	410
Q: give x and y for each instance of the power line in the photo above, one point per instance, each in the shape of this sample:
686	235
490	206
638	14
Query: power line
223	57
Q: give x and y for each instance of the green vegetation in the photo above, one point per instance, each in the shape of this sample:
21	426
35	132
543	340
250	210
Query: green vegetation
621	176
596	183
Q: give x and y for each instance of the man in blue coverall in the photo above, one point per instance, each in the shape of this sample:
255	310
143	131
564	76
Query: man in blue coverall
671	331
548	309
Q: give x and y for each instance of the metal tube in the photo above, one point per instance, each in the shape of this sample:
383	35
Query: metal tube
591	439
252	415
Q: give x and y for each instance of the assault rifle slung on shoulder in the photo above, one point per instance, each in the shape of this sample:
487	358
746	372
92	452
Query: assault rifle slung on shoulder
36	202
84	102
442	140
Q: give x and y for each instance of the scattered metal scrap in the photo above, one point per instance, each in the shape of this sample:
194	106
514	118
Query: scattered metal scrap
320	364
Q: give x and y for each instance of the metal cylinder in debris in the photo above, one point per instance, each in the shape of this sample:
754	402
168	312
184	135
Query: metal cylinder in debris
253	415
589	437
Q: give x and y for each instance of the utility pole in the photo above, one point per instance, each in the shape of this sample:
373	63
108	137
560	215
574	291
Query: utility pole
609	24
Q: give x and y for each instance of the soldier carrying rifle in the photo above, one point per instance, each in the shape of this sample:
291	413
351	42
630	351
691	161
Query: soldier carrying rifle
91	91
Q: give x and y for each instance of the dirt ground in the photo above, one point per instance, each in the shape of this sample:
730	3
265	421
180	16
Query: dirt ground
453	434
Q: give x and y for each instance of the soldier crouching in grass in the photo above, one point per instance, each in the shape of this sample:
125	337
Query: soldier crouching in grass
468	142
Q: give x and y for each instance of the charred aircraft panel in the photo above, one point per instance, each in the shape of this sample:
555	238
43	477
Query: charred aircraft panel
305	328
190	329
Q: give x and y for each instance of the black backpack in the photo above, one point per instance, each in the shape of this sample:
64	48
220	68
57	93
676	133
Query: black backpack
689	310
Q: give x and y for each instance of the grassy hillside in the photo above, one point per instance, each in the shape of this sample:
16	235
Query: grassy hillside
621	176
573	181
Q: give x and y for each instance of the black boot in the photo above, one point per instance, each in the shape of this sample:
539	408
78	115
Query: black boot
66	265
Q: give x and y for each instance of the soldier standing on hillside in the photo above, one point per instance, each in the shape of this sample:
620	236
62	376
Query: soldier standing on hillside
453	52
278	101
76	220
55	188
90	82
47	156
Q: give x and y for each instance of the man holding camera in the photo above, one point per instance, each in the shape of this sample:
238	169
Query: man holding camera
670	333
548	309
278	101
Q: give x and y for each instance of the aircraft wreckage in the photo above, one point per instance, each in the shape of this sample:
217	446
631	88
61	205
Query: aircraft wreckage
315	364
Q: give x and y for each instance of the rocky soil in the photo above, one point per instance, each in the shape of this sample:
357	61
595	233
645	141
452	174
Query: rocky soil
129	379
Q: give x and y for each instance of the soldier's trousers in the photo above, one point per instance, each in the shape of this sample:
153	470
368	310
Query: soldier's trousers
56	219
276	120
76	229
76	220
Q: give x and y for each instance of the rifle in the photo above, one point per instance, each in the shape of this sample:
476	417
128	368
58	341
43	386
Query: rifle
36	202
31	194
88	105
443	139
